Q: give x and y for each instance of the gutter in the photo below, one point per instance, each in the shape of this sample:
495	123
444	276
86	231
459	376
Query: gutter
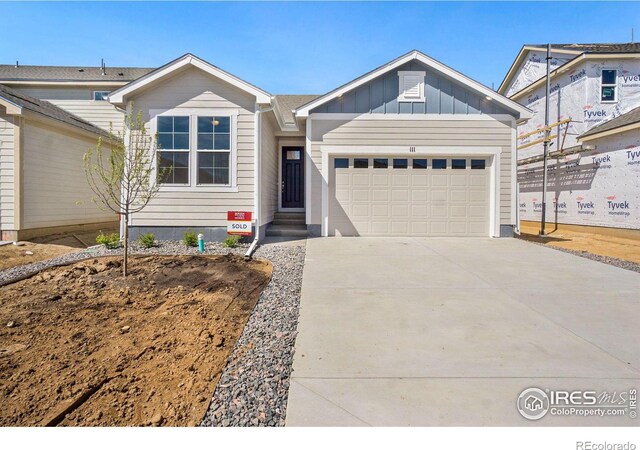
256	176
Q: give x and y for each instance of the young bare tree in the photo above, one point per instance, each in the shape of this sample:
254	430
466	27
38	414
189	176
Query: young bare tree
122	175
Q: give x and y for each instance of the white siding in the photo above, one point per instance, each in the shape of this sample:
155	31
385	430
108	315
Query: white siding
79	101
369	132
55	190
269	183
7	197
195	206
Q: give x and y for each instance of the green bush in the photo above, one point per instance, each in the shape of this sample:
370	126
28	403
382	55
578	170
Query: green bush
190	239
147	240
231	241
111	240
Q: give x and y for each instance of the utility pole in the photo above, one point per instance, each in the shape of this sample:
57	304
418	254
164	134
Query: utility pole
545	145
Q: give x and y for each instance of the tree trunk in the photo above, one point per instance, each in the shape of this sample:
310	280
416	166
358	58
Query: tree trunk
125	268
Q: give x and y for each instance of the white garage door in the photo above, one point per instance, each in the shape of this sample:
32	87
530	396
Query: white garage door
400	196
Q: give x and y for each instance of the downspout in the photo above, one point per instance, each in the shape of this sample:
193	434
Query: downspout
256	176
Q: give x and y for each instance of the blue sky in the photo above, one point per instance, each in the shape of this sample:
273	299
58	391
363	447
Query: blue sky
303	47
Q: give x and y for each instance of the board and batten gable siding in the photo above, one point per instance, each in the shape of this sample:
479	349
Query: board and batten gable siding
414	132
79	101
380	96
269	162
7	178
193	89
55	191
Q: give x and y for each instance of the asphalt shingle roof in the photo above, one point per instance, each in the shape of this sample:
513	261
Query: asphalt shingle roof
9	72
47	109
287	103
627	118
628	47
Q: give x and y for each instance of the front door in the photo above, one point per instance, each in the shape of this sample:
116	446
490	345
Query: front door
292	177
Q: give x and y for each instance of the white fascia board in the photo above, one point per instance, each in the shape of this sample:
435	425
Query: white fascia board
525	113
394	117
117	97
12	108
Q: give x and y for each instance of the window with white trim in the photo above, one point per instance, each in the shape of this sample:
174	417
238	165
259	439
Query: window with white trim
609	85
100	96
411	86
214	150
173	149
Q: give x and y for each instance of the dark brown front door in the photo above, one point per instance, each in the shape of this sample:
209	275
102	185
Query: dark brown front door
292	177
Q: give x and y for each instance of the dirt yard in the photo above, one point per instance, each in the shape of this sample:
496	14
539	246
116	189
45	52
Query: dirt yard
598	244
46	247
80	346
17	255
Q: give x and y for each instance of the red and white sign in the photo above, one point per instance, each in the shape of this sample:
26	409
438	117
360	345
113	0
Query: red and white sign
239	223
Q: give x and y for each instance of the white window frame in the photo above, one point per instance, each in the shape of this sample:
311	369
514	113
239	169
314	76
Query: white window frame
402	97
176	150
193	114
101	100
613	85
210	150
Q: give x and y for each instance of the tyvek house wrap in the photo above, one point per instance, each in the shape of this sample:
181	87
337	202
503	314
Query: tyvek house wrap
601	187
534	68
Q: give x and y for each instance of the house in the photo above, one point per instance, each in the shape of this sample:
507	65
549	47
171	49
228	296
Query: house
42	184
595	149
411	148
80	90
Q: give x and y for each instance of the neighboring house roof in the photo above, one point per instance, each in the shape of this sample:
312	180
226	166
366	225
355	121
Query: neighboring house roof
629	47
19	101
117	96
9	72
524	112
624	122
580	51
286	104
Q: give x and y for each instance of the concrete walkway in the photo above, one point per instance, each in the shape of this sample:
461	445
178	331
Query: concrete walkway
410	331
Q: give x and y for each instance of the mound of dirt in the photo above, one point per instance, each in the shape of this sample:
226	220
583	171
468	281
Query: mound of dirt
80	345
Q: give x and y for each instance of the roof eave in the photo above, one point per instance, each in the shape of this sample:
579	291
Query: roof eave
523	111
118	97
10	107
605	133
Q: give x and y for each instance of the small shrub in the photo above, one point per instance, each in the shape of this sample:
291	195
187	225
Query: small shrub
231	241
147	240
190	239
111	240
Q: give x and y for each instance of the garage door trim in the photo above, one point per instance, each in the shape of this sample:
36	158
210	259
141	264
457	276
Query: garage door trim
493	153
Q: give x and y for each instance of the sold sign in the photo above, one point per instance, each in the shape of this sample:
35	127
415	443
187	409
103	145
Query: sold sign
239	223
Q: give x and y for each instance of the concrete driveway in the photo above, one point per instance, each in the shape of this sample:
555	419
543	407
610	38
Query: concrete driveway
410	331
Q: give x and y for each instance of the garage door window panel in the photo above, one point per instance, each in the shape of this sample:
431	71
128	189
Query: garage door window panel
419	163
478	164
360	163
341	163
458	164
380	163
439	164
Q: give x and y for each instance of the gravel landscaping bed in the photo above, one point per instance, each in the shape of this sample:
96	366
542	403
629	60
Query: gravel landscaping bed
621	263
253	388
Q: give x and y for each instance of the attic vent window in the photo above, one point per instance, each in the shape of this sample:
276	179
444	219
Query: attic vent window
411	86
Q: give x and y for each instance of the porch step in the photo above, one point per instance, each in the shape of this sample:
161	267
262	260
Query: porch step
289	218
287	230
